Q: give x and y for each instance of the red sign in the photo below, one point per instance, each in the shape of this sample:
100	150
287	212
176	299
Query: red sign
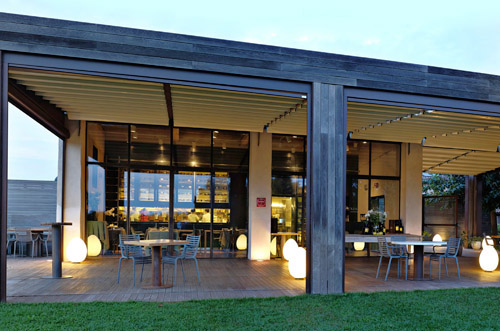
261	202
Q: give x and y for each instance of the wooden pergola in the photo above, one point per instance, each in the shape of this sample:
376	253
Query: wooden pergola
329	83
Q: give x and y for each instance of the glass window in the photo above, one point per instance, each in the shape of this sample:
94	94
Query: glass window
231	150
96	193
150	145
107	143
288	153
192	147
358	155
384	196
385	159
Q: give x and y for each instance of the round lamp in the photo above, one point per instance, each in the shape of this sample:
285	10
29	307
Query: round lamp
241	242
488	259
437	237
76	250
359	246
289	248
273	246
487	240
94	246
297	264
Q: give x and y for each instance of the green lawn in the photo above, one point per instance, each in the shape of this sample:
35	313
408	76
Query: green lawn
477	309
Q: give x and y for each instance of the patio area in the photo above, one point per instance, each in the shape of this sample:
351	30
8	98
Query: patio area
95	280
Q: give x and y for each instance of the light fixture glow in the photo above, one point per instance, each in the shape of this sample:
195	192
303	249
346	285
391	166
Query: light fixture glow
289	249
488	259
297	264
273	246
94	246
76	250
359	246
437	238
241	242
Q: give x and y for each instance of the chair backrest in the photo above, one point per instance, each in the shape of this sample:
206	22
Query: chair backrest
129	251
452	246
383	247
24	235
191	249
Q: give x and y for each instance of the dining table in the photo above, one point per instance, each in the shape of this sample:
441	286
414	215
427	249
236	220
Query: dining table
156	246
418	262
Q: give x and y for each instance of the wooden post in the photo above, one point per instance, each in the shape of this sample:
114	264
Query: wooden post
326	157
3	179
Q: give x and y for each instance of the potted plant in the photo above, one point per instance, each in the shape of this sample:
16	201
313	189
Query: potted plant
475	242
376	221
426	236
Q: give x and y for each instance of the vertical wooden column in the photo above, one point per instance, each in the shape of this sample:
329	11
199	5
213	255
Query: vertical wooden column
326	171
473	205
3	179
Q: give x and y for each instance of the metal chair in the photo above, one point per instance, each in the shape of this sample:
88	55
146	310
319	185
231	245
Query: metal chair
45	238
391	252
188	253
11	239
133	252
451	252
26	237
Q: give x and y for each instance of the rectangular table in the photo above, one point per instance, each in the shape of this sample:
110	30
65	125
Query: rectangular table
156	246
372	238
418	267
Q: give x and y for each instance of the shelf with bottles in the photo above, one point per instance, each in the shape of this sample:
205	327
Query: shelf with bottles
147	214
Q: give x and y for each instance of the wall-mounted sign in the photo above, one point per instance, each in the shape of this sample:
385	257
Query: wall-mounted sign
261	202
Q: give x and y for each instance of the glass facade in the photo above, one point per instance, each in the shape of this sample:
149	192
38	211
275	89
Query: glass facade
289	186
130	169
373	181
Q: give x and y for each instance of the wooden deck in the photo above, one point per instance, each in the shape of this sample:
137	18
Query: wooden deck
95	280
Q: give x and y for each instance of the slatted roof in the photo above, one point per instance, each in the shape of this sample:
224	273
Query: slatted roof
96	98
455	143
461	143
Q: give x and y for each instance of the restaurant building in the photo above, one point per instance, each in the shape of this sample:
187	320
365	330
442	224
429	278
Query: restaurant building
224	138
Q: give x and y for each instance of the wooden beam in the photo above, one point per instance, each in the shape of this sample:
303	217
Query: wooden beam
3	180
168	99
42	111
326	171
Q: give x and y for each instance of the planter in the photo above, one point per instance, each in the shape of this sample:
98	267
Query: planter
475	245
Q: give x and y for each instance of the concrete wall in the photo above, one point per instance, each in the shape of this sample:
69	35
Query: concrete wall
411	187
259	186
74	183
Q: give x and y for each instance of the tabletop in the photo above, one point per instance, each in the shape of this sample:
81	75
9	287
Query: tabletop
156	242
56	223
285	233
419	243
29	229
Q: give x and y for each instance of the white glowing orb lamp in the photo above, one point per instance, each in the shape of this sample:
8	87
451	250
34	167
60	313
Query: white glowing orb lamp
437	237
488	259
359	246
487	240
241	242
76	250
94	246
297	263
289	249
273	246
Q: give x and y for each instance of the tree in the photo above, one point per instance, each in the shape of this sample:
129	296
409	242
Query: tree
438	184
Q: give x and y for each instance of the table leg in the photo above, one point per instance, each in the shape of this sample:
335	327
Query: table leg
418	265
282	246
368	249
156	273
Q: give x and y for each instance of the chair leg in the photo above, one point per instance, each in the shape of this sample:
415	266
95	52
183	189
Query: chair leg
430	265
119	268
446	267
439	268
142	270
399	267
388	269
458	270
133	271
15	245
175	272
406	268
197	270
183	274
379	263
32	249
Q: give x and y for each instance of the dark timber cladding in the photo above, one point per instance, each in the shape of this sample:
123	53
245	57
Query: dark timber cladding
106	43
3	180
326	180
